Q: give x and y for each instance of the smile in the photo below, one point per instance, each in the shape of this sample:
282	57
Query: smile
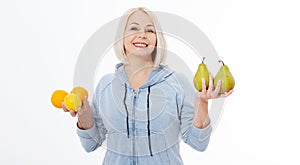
140	44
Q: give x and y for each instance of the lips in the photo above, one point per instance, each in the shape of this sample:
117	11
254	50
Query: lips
140	44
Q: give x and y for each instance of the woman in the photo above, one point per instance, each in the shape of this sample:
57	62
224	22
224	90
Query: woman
144	109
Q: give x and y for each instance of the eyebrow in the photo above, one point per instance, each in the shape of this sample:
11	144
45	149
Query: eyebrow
139	24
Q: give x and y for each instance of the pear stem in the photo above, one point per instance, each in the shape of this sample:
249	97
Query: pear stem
203	60
221	62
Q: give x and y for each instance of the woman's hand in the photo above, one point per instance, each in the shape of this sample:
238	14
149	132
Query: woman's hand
211	93
84	114
201	118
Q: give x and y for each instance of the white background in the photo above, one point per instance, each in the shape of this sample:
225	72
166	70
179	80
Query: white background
259	40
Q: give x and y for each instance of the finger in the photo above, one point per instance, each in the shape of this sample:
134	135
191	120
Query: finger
211	85
85	100
203	85
227	93
80	110
85	104
64	107
216	92
73	113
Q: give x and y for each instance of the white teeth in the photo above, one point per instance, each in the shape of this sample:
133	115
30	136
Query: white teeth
141	45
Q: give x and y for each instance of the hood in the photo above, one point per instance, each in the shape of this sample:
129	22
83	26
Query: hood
157	75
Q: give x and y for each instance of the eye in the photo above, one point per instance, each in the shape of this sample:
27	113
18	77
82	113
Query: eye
134	28
150	30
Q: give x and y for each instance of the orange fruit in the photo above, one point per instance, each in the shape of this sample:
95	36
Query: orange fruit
58	97
80	91
72	102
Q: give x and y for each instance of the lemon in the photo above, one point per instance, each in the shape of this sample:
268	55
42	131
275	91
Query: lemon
72	102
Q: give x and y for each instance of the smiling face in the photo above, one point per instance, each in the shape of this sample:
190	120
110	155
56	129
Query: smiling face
140	35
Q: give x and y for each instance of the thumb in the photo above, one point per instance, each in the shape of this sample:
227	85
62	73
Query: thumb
85	100
80	110
85	103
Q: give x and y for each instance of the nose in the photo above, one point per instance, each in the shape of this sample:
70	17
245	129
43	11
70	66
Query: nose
142	34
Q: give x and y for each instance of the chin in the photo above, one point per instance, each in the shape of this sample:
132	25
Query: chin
144	52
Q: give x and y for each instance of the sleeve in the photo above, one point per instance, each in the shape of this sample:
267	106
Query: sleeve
93	138
191	135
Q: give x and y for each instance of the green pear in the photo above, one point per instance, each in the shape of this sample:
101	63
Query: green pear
227	79
202	72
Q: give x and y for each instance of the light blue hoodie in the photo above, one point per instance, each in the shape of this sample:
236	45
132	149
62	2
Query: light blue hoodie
144	126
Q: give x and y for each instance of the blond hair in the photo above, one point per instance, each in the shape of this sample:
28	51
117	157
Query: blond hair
158	54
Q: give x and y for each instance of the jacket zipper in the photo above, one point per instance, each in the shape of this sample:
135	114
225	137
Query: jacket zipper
133	127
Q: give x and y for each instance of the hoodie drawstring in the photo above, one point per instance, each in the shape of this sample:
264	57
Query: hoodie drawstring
148	118
127	119
148	126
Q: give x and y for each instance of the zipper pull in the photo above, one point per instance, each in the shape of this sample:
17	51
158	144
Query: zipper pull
135	93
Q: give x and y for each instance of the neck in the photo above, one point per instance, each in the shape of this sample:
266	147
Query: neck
138	64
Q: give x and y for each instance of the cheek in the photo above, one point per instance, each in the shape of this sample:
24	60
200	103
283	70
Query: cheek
127	41
152	38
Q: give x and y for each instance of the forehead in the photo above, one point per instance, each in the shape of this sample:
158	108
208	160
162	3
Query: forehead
139	17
